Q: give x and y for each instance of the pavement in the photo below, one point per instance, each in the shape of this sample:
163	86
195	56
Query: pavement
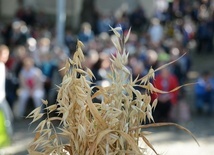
23	135
173	141
166	140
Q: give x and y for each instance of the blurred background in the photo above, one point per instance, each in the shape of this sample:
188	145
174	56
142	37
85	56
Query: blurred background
40	35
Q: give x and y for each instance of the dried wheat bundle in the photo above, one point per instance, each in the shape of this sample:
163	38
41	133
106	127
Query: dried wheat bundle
110	127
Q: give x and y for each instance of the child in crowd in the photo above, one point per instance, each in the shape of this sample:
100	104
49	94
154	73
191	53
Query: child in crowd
31	86
204	92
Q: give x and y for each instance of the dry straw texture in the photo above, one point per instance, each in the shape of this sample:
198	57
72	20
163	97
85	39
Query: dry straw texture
112	127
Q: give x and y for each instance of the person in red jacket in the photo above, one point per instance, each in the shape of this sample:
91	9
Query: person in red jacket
165	81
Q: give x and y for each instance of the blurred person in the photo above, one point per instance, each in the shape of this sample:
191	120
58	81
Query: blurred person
109	47
11	82
121	20
31	86
29	16
203	12
182	66
151	59
86	34
94	62
177	7
20	12
26	14
163	55
176	66
70	41
41	18
100	42
138	71
6	33
185	62
44	45
6	116
131	44
103	23
169	31
195	11
183	31
57	77
19	53
155	32
165	81
204	36
19	33
17	58
160	10
59	53
32	48
205	30
141	51
47	67
105	64
138	19
101	69
204	92
46	32
190	27
14	66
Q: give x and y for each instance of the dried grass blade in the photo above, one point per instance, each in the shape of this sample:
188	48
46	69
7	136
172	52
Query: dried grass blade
154	103
37	136
115	31
131	141
97	94
165	65
40	126
148	143
127	36
62	68
96	114
36	118
51	108
36	111
80	44
116	44
35	152
166	124
175	89
90	73
55	119
126	136
45	102
153	89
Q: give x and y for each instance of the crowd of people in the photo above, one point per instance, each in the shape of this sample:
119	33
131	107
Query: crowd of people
177	27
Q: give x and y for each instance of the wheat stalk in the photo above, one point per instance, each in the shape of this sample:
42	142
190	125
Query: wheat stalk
110	127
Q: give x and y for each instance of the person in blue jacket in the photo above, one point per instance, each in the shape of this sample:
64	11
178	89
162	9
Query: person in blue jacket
204	92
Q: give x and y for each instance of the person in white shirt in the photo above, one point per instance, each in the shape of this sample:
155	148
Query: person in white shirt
31	85
4	106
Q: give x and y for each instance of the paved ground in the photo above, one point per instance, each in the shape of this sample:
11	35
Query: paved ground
166	140
173	141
